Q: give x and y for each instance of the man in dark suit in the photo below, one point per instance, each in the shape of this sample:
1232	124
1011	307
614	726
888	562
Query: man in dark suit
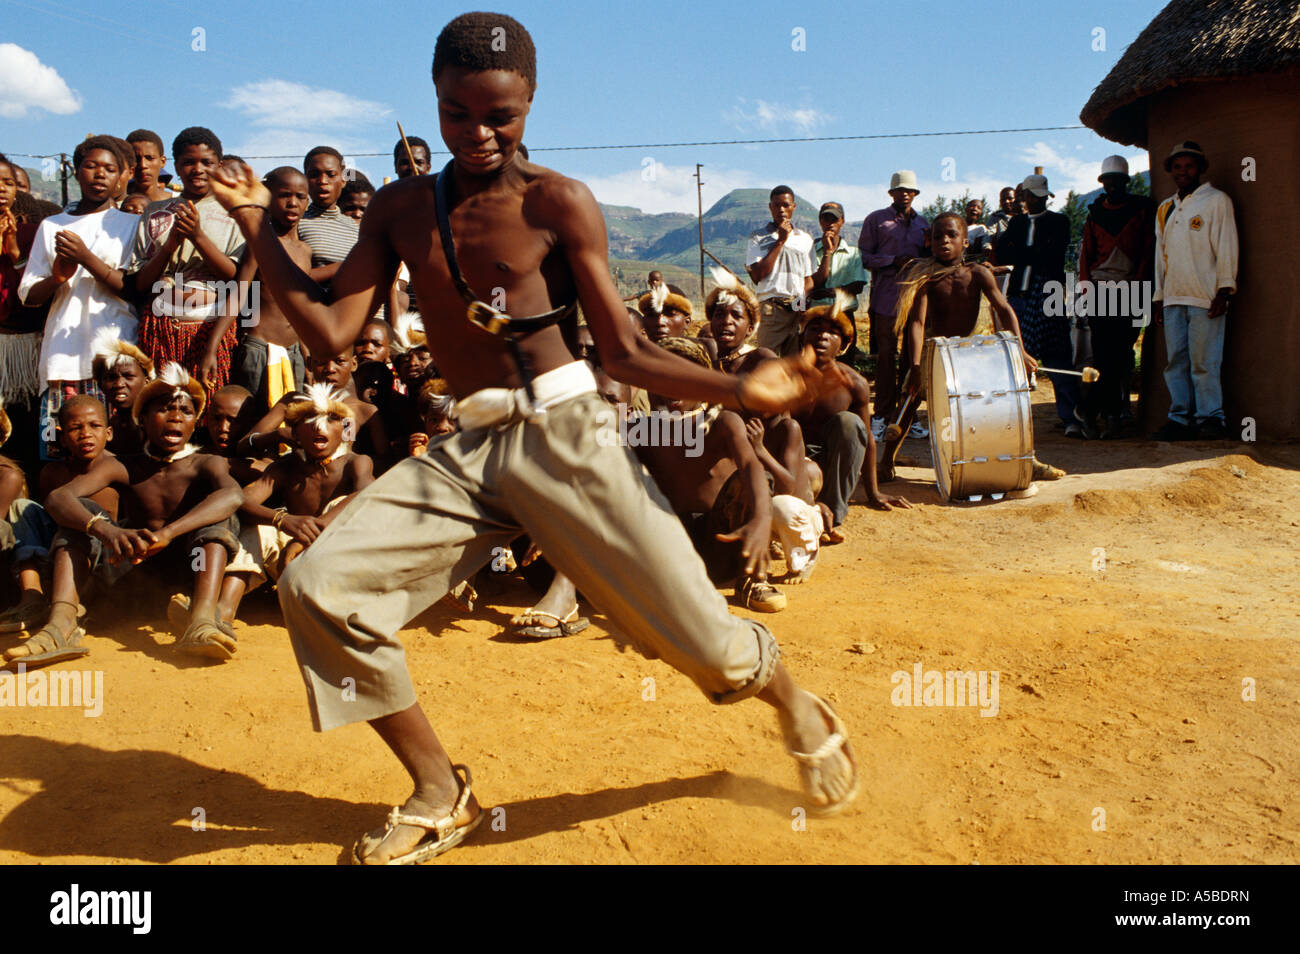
1034	245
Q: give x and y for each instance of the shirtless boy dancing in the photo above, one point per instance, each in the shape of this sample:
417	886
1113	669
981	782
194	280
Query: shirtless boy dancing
527	457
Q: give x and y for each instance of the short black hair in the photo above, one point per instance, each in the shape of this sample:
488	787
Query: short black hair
278	173
780	190
376	320
955	216
80	400
322	151
486	41
357	184
195	136
399	150
91	143
145	135
125	150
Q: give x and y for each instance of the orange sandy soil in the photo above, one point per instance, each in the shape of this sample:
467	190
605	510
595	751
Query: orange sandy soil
1119	689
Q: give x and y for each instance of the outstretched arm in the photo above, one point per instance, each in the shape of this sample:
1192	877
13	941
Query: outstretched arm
359	287
773	387
1004	316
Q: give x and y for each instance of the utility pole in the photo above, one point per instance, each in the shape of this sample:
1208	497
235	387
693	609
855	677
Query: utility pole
699	205
63	176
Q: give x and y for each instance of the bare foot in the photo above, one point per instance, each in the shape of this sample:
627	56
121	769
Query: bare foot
833	535
389	842
826	768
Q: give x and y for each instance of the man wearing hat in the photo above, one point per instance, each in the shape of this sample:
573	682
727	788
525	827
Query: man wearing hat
1034	245
838	265
1196	276
779	261
1117	245
890	238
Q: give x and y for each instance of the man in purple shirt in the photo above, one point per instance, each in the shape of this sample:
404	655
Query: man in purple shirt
890	238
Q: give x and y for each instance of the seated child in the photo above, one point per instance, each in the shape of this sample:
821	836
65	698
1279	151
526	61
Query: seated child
121	370
667	314
366	427
837	425
375	342
177	512
733	313
437	407
232	414
940	298
269	360
718	489
13	480
83	434
314	482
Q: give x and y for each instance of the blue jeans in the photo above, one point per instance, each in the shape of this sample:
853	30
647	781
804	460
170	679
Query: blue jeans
1194	343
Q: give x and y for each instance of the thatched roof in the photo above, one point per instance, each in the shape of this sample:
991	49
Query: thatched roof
1192	41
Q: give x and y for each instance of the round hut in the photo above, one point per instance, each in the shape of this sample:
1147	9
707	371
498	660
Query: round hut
1226	73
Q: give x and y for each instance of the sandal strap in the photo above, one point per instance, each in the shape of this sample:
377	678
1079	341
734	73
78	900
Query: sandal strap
814	759
443	826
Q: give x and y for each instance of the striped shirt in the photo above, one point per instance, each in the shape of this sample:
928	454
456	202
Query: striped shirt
329	232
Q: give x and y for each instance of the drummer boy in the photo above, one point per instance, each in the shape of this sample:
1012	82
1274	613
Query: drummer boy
940	298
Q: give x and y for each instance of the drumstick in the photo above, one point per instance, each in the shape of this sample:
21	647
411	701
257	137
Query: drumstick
410	156
1089	375
895	429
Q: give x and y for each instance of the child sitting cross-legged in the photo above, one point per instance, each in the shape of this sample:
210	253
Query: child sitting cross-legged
83	434
313	483
176	515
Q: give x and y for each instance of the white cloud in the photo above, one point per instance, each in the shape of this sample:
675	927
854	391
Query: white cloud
1067	172
761	115
292	145
286	105
668	188
29	84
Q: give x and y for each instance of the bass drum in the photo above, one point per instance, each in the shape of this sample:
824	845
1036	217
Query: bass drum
981	430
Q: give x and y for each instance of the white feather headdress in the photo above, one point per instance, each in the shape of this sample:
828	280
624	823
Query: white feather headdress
110	350
408	332
173	380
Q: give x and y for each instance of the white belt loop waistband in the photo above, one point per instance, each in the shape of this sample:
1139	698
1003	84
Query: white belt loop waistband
494	407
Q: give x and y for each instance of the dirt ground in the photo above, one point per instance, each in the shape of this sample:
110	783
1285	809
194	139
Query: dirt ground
1143	615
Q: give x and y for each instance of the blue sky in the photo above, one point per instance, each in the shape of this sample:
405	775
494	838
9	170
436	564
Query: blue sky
277	78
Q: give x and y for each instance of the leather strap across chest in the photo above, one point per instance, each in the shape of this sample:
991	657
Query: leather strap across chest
481	313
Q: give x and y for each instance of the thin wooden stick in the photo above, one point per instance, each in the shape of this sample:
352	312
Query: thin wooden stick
409	155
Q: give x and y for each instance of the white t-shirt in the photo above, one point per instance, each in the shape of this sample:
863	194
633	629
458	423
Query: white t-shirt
81	307
794	262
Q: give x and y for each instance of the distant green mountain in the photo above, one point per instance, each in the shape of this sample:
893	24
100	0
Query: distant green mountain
673	238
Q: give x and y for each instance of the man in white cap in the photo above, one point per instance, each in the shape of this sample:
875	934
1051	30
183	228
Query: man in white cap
890	238
1034	245
1118	245
779	261
1196	276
